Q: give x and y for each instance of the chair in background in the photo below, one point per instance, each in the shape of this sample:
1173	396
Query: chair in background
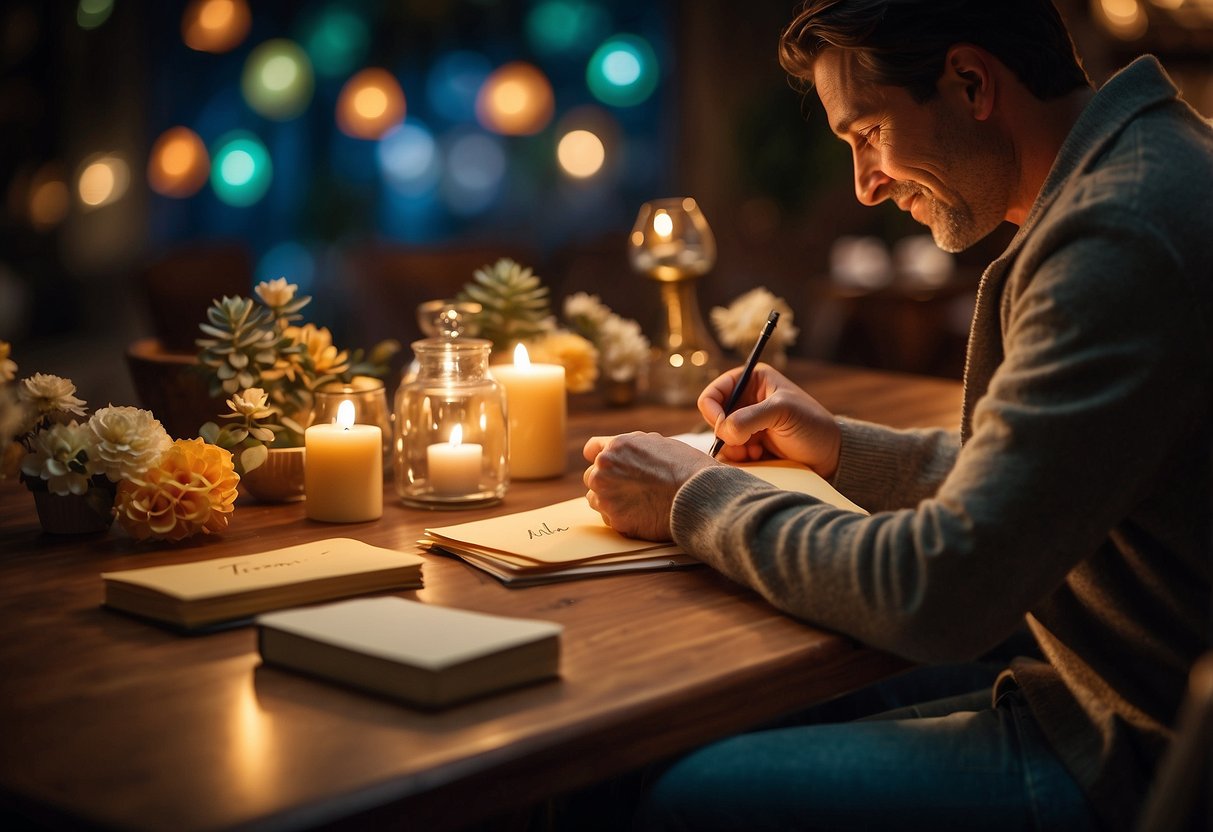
381	285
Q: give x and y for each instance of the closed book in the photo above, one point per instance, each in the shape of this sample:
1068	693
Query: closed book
224	590
418	653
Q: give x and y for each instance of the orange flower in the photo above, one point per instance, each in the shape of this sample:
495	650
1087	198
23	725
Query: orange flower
190	489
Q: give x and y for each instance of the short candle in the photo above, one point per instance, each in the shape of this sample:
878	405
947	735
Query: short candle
454	466
536	408
343	469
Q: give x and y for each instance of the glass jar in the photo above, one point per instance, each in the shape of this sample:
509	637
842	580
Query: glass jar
370	406
449	445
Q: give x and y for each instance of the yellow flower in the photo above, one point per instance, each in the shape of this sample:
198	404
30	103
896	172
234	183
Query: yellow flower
191	489
578	356
318	344
276	293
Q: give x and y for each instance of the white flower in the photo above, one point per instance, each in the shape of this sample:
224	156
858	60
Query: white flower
58	455
622	348
276	293
46	394
739	324
126	441
586	311
253	402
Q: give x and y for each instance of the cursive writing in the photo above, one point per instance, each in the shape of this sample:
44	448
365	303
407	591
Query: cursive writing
544	531
244	568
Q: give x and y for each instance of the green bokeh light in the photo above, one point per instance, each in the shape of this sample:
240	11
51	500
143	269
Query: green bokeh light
336	40
561	26
92	13
277	79
622	72
241	170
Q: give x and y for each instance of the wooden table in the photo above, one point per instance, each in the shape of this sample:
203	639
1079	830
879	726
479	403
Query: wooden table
107	720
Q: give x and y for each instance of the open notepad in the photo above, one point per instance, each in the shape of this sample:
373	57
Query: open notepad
570	540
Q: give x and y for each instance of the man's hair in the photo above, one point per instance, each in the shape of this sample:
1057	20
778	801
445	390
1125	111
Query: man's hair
904	42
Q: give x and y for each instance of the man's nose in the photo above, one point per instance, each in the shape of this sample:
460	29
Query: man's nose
871	183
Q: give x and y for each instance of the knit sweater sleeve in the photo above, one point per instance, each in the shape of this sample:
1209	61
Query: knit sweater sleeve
1103	343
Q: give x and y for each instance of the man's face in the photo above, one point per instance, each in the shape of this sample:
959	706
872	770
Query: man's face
934	160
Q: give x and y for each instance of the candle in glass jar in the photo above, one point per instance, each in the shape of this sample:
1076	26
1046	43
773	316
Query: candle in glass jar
454	466
343	469
536	408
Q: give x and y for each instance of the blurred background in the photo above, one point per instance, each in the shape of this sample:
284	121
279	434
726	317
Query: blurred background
154	155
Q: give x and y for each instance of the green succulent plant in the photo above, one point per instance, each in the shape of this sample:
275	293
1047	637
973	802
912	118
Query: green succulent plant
246	341
515	305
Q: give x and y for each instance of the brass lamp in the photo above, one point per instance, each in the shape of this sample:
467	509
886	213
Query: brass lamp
672	243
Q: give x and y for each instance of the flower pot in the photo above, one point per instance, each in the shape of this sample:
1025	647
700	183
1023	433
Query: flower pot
277	480
87	513
619	393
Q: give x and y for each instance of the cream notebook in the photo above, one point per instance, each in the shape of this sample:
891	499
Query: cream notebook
203	593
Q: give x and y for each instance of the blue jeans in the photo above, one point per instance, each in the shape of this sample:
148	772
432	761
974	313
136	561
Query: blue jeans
952	763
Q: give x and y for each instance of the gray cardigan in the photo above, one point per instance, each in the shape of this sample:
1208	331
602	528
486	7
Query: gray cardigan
1078	490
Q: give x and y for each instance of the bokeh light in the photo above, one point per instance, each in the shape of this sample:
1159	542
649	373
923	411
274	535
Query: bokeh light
241	170
178	165
277	79
215	25
49	198
515	100
92	13
370	104
103	180
474	170
453	83
581	153
408	158
291	260
622	72
1125	19
556	27
336	40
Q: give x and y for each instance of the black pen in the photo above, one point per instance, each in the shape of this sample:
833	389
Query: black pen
739	388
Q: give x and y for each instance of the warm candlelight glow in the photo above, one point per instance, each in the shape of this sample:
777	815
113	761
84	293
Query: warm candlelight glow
345	414
179	164
522	358
370	104
456	436
663	224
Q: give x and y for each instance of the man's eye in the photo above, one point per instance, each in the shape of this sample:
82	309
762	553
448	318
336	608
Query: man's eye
870	135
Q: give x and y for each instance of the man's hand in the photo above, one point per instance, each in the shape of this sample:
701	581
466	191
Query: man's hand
773	415
633	477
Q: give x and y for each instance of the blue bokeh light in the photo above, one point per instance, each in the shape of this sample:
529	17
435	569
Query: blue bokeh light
454	81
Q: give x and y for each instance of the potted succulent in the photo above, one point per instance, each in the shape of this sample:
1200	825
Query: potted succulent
269	365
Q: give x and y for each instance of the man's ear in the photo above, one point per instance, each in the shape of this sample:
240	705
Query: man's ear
969	78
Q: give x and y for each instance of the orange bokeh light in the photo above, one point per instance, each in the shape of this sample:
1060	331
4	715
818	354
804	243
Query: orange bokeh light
370	104
515	100
178	165
215	25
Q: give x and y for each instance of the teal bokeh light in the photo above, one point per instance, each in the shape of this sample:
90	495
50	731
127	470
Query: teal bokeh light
622	72
241	170
336	40
556	27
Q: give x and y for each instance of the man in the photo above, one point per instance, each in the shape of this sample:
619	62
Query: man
1077	491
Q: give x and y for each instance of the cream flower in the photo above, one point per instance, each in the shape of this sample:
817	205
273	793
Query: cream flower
58	455
623	349
740	323
8	367
253	403
47	394
587	311
126	441
577	355
276	293
191	489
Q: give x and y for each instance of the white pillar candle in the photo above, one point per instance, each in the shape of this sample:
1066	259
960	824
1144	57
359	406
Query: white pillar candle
343	470
536	407
454	466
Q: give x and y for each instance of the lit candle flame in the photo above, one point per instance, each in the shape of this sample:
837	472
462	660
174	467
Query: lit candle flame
663	224
456	436
345	414
521	357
